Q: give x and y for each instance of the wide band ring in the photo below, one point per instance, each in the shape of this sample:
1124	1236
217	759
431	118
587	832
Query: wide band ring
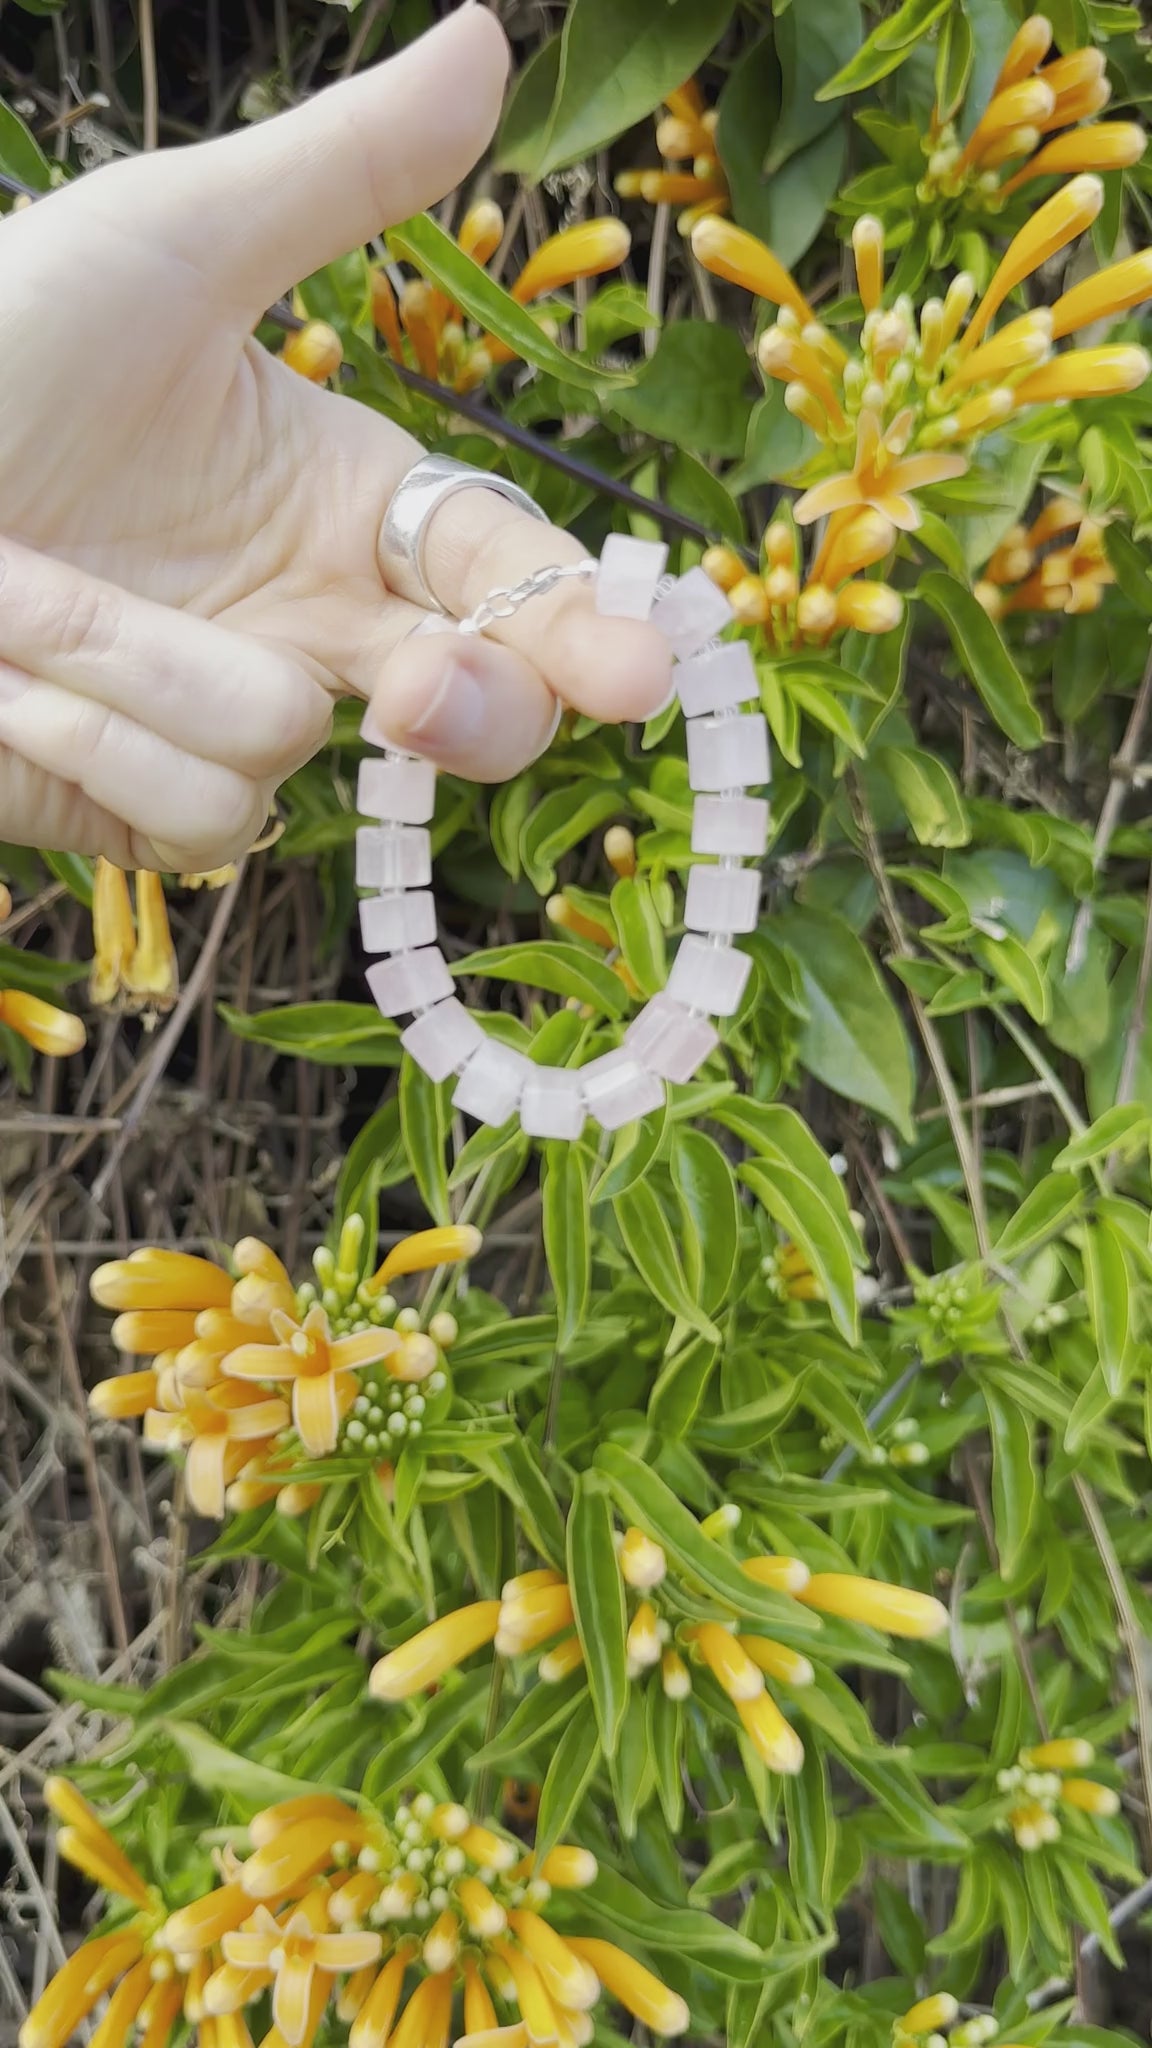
404	531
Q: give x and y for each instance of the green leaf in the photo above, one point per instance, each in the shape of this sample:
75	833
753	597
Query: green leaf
1042	1214
332	1034
597	1589
854	1040
955	51
644	1498
812	43
793	1203
616	61
984	657
929	792
1122	1129
538	1716
75	871
680	1387
641	933
216	1768
563	970
567	1235
562	821
20	154
1109	1301
575	1761
1015	1483
704	1182
695	391
438	258
652	1248
886	48
1133	573
1011	964
700	1937
425	1119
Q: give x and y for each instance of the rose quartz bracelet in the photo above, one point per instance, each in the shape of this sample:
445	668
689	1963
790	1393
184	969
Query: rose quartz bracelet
672	1036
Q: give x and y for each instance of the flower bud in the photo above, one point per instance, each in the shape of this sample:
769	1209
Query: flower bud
587	249
314	350
642	1561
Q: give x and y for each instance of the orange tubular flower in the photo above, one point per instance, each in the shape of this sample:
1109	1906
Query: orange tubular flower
587	249
1072	578
685	136
425	1658
317	1367
50	1031
894	1609
221	1431
293	1951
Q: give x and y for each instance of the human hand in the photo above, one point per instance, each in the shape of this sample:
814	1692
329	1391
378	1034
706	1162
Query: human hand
191	570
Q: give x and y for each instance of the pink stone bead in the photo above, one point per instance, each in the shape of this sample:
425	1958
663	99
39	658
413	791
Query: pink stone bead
393	857
717	679
722	900
728	753
706	974
618	1089
669	1041
443	1039
402	791
628	574
410	981
730	824
691	613
552	1105
492	1083
389	924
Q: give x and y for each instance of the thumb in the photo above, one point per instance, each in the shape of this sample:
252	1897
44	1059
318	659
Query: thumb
258	210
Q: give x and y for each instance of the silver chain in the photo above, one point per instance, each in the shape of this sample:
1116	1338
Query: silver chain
506	600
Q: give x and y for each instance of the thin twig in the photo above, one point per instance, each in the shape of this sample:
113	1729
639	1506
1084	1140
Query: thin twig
149	79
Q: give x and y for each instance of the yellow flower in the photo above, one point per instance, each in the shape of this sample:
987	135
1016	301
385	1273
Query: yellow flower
1067	214
133	958
447	1245
774	1740
293	1950
894	1609
928	2015
48	1030
740	258
1086	373
729	1663
1101	1801
481	230
777	1661
84	1841
1107	292
638	1991
620	851
1072	578
558	1664
1062	1753
221	1430
685	133
315	350
78	1986
318	1368
1103	146
153	1278
529	1615
5	902
882	475
423	1660
642	1562
783	1574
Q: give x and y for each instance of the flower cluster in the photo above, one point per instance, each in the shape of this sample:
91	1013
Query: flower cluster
799	608
1057	564
1038	1785
906	404
386	1921
133	958
252	1378
1038	123
422	328
693	176
670	1628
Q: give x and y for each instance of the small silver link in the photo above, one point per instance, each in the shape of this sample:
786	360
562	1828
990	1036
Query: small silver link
505	601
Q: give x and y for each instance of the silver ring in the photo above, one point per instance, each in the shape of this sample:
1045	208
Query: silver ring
404	531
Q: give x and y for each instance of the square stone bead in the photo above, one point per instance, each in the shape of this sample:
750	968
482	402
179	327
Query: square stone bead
552	1105
704	973
667	1040
717	679
393	857
627	576
492	1083
443	1039
402	791
392	924
691	613
728	753
618	1089
411	981
730	824
722	900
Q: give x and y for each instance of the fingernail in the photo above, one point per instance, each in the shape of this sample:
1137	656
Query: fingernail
13	683
450	720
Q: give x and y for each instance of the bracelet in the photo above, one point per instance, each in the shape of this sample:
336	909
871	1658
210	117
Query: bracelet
727	757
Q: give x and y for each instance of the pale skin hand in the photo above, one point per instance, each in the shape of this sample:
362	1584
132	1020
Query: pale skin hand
188	530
